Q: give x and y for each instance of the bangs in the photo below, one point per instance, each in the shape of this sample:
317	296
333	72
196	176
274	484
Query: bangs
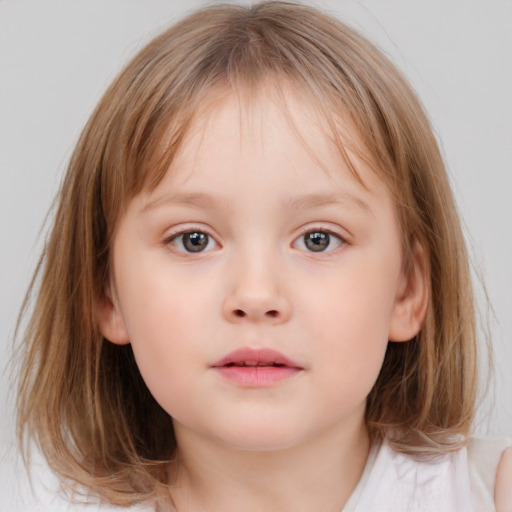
164	89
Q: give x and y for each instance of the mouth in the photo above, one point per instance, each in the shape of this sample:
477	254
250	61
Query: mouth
254	363
254	368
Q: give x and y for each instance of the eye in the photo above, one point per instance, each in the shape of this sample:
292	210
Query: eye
192	241
319	240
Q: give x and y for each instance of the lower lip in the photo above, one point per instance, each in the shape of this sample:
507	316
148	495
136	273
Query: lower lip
257	376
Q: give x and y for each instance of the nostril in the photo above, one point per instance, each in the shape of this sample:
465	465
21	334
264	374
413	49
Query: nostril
271	313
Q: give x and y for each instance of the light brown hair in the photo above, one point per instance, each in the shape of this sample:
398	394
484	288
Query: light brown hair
81	397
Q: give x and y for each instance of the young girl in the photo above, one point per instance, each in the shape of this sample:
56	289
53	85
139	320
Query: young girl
256	294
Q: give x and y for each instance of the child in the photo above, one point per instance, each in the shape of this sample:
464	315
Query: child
256	293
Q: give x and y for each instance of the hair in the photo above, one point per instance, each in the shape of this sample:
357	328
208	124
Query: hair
81	397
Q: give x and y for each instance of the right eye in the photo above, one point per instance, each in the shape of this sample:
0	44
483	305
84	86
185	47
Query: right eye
192	241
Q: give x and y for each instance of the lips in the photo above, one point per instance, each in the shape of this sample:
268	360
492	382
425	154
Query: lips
249	367
256	357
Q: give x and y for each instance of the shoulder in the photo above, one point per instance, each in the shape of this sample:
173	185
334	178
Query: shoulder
490	469
503	487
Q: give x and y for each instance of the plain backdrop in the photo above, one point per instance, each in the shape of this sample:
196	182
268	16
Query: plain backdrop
57	57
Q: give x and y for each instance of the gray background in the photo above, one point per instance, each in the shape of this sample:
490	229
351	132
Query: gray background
56	58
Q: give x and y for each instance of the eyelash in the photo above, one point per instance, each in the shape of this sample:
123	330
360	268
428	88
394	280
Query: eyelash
173	237
331	234
178	235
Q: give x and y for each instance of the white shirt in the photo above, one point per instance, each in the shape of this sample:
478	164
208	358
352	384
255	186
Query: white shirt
462	481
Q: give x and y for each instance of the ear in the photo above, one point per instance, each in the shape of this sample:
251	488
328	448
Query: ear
111	321
410	308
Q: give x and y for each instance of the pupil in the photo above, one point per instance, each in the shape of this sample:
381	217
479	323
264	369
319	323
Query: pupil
316	241
195	241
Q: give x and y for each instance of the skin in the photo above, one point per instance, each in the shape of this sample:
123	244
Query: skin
503	488
245	178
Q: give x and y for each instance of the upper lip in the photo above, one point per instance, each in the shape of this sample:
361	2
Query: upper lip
255	357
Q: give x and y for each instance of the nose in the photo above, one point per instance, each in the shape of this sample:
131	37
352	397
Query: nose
256	293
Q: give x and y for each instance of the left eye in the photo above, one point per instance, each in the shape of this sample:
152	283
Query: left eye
192	242
318	241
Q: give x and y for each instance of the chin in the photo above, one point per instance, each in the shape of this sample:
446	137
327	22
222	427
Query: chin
260	438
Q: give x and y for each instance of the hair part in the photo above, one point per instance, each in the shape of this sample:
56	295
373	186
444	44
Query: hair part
82	397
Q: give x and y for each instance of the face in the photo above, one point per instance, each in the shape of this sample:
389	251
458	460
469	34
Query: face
259	282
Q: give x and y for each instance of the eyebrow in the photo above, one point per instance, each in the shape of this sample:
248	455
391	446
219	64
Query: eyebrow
196	199
302	202
316	200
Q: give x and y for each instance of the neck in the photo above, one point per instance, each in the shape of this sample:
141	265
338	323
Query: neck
318	474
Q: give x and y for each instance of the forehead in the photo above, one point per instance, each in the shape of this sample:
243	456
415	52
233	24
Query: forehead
275	120
270	140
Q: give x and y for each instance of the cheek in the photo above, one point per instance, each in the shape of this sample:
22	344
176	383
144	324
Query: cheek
351	322
165	316
160	300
